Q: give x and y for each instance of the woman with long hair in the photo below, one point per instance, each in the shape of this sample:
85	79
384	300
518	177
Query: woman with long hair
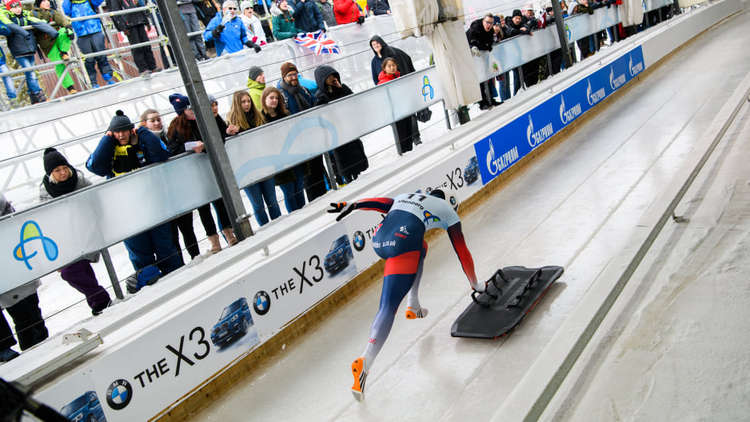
245	116
183	133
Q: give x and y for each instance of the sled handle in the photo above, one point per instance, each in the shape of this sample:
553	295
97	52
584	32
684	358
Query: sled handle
474	297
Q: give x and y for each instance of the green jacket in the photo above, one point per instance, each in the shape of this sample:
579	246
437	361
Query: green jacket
283	27
56	19
255	89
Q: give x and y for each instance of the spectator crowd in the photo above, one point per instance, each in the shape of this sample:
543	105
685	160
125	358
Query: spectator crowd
129	145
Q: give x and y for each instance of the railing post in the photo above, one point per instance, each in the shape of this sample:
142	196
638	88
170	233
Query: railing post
212	138
447	116
112	274
560	24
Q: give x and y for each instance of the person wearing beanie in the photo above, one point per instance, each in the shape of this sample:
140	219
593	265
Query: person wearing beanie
227	31
284	25
89	37
516	24
256	83
253	25
22	43
121	150
307	16
60	178
183	132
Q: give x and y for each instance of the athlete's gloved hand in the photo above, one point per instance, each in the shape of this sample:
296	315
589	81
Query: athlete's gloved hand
340	207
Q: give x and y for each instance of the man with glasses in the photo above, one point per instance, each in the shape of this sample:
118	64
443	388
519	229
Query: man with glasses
227	31
481	37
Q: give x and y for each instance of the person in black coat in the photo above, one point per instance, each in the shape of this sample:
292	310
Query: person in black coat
408	134
134	25
481	36
349	159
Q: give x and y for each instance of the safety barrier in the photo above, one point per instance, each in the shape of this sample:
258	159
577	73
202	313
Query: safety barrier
186	349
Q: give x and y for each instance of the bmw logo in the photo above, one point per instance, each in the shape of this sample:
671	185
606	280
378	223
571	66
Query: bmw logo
119	394
262	303
359	240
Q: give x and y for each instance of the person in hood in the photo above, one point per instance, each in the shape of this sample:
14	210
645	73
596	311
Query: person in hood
246	116
284	26
22	43
298	98
22	304
326	11
347	11
349	160
516	24
381	50
183	133
308	17
56	49
252	23
121	150
61	179
134	26
90	38
227	31
256	83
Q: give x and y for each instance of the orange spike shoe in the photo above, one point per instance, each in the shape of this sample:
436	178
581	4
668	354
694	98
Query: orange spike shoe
412	313
359	371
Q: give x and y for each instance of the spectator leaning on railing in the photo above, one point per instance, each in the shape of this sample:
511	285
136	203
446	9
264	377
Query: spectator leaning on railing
307	16
227	31
22	43
121	150
252	23
256	83
134	26
349	159
283	20
347	11
90	37
55	48
481	36
60	179
22	304
326	11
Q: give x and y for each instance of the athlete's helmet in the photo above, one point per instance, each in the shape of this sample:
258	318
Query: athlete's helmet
450	197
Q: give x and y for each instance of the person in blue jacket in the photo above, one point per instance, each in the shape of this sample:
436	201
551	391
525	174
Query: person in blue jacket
90	38
307	16
121	150
22	43
227	31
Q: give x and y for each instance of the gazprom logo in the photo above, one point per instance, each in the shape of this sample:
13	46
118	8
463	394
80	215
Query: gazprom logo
30	231
536	137
634	69
568	115
615	82
428	92
497	164
595	96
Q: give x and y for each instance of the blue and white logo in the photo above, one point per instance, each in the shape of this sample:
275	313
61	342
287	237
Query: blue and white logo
119	394
536	137
568	115
495	165
428	92
634	69
358	239
262	302
616	82
31	231
595	96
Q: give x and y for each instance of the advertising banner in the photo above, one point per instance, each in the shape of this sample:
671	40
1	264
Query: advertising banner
508	144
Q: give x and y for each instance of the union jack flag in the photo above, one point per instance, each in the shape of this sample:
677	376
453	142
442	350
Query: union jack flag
318	42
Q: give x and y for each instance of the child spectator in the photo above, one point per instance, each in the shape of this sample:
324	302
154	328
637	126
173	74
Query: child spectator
121	150
90	37
22	43
245	116
347	11
404	127
252	24
256	83
61	178
56	48
189	15
298	98
134	26
22	304
326	11
349	159
291	181
10	87
183	130
227	31
308	17
283	21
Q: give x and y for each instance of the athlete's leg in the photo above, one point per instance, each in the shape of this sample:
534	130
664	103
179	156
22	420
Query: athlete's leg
414	310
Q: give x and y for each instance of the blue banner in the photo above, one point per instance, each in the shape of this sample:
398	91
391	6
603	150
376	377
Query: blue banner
498	151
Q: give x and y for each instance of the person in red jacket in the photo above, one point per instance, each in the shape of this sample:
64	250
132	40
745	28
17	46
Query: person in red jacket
347	11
